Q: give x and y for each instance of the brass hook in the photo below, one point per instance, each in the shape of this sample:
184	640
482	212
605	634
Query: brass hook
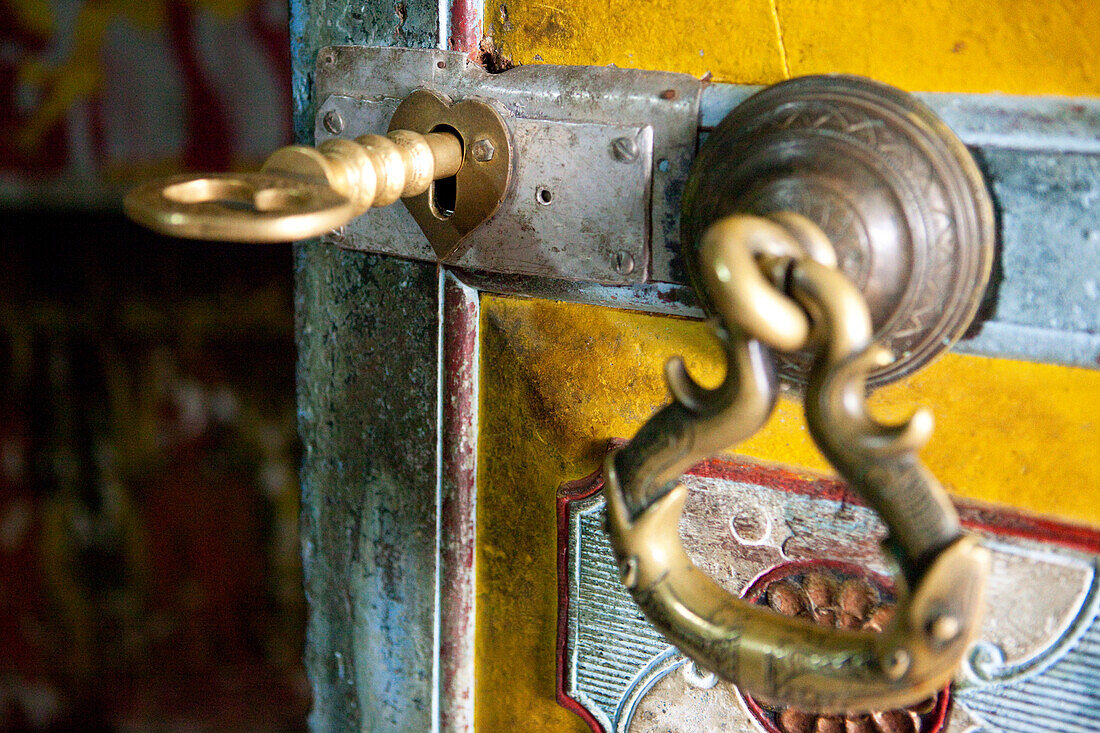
776	658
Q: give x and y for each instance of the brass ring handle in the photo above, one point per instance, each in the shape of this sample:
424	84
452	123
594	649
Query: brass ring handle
775	658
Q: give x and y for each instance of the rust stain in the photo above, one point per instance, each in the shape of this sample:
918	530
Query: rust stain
491	58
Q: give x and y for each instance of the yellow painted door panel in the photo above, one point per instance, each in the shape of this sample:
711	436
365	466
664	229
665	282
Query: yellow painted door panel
559	380
1011	46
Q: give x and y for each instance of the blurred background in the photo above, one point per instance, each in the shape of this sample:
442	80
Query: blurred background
149	563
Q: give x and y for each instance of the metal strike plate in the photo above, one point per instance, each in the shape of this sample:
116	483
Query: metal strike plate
599	154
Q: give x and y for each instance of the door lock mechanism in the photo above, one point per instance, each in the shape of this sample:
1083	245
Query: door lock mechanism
801	177
456	205
451	163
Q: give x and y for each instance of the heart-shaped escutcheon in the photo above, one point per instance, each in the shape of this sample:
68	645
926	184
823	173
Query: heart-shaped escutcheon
453	207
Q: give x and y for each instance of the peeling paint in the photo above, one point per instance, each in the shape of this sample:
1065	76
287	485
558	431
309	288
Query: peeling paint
367	395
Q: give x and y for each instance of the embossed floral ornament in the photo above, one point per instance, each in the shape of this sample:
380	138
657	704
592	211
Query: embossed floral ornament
845	598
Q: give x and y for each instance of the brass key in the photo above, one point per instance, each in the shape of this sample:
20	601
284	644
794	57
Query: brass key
300	191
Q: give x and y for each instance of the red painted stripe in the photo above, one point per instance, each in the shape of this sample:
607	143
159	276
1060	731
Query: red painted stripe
973	514
466	24
458	516
567	494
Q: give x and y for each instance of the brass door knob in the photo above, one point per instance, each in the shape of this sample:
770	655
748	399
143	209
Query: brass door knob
898	195
804	184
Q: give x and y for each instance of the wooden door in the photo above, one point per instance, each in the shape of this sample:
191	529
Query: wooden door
439	421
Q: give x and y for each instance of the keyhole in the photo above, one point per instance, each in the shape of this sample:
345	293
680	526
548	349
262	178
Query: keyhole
443	194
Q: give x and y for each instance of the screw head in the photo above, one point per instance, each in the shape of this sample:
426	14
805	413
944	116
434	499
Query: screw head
624	149
333	122
482	150
624	262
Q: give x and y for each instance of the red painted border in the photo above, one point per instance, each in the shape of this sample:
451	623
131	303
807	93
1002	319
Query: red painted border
568	493
973	515
466	26
458	513
458	516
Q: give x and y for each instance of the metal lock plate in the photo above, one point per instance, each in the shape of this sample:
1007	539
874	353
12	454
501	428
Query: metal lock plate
611	224
599	159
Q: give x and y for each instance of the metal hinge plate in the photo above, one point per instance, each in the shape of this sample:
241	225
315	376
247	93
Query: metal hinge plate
601	155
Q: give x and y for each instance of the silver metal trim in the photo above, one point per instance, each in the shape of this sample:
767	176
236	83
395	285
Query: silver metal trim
1040	155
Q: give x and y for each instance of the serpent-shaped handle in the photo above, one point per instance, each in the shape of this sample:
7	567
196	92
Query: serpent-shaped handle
776	658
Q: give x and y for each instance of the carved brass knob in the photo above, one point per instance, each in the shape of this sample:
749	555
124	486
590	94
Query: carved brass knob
898	195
